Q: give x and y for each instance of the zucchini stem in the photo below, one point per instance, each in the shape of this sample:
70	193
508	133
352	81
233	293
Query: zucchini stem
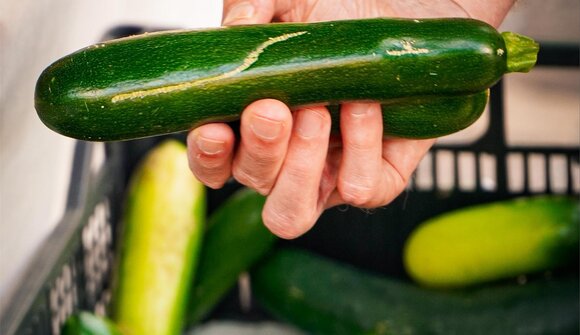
522	52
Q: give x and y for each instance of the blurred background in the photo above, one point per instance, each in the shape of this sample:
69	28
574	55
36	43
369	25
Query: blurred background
35	163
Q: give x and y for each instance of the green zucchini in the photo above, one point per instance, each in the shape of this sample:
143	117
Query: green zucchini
323	296
235	239
85	323
494	241
426	117
159	245
166	82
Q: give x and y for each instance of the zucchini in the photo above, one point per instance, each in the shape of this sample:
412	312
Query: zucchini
494	241
323	296
235	239
428	116
159	245
172	81
85	323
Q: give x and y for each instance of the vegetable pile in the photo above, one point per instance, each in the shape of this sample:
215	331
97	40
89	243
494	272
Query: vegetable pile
174	268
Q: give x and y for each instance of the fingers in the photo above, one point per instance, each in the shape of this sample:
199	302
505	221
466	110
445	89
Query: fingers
236	12
401	157
361	180
265	130
373	171
294	204
210	150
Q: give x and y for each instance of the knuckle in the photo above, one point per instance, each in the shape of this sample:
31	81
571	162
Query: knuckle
398	184
262	185
298	171
211	181
358	194
214	184
210	163
286	224
263	157
213	178
359	142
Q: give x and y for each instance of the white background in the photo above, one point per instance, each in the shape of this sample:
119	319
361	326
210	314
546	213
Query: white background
35	162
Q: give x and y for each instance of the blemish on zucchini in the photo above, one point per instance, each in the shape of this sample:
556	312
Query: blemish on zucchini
408	48
296	293
247	62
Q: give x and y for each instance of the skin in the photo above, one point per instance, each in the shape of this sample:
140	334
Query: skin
289	155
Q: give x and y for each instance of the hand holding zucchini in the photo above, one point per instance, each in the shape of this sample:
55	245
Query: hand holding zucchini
167	82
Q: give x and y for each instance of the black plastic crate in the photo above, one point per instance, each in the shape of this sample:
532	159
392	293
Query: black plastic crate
72	269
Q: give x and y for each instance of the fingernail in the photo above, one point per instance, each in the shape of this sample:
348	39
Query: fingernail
265	128
241	11
309	124
209	146
359	109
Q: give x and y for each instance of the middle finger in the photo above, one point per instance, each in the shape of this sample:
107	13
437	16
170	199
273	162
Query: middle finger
265	130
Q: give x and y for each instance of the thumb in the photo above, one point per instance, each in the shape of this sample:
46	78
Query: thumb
238	12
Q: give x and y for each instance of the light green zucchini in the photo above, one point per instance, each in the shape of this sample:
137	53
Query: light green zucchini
159	244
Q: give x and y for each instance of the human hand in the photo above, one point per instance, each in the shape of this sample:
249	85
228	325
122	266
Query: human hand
290	155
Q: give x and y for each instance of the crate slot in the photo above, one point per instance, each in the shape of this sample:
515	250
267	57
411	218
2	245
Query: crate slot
536	173
445	174
245	292
515	172
466	171
101	306
98	253
423	177
487	172
63	297
558	174
575	175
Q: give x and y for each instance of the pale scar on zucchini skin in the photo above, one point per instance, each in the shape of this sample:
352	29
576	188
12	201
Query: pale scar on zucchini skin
246	63
408	48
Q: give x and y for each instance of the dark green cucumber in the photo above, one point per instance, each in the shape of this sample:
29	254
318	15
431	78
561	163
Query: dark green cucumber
159	245
493	241
327	297
166	82
85	323
236	238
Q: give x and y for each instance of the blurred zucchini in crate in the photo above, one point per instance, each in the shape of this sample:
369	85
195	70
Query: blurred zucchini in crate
86	323
328	297
235	240
494	241
159	244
